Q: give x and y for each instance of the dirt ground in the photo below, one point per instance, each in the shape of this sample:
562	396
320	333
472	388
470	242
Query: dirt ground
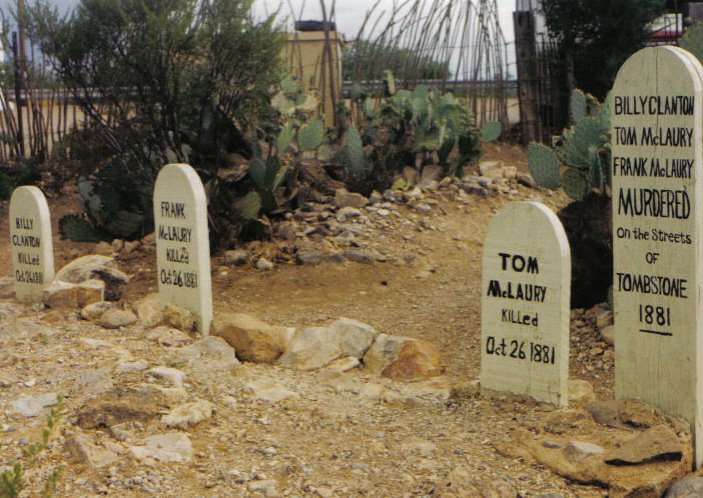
332	442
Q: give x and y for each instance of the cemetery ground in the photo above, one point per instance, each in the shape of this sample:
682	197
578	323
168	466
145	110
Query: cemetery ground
254	429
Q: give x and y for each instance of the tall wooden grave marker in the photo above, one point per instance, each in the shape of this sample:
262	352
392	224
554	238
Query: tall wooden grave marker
30	240
182	245
525	304
656	170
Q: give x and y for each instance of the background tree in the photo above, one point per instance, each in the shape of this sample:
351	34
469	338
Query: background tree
158	81
597	36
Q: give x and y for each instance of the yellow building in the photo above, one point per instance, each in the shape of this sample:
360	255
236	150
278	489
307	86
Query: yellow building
315	58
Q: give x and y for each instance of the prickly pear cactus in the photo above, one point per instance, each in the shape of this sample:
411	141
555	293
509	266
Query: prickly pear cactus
248	207
311	136
578	105
575	184
490	131
353	153
544	166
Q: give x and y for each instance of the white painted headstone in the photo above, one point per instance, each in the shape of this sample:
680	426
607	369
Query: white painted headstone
182	245
657	252
525	304
30	240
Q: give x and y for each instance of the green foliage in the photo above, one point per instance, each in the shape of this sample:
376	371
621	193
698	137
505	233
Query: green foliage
490	131
544	165
693	40
353	154
597	36
311	135
365	60
408	128
159	81
12	480
583	149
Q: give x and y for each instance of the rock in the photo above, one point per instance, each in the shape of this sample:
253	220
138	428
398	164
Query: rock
23	330
690	487
94	311
251	338
94	266
119	405
576	451
509	172
308	256
360	256
490	168
173	375
604	319
117	245
170	447
655	444
131	246
311	348
580	392
343	199
268	390
93	381
416	360
608	335
31	406
84	449
526	180
125	430
149	310
343	364
402	358
354	337
383	352
188	414
210	348
60	294
166	336
178	317
431	174
315	347
347	213
132	366
629	413
264	264
236	257
115	318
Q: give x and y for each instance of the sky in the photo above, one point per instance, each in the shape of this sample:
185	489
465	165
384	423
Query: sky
349	13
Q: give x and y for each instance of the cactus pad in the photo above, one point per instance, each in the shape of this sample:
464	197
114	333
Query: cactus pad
249	206
311	136
490	131
575	184
578	106
544	166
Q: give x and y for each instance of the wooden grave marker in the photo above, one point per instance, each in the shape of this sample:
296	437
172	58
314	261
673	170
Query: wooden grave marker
31	246
182	245
525	312
657	145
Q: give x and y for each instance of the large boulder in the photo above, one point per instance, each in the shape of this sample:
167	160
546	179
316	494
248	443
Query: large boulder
95	266
403	358
251	338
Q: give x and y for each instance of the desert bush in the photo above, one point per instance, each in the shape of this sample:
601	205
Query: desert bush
159	81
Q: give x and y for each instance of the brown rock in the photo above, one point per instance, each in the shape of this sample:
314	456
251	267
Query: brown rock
94	266
656	444
115	318
178	317
343	199
630	413
149	310
94	311
251	338
580	392
417	359
60	295
84	449
90	291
